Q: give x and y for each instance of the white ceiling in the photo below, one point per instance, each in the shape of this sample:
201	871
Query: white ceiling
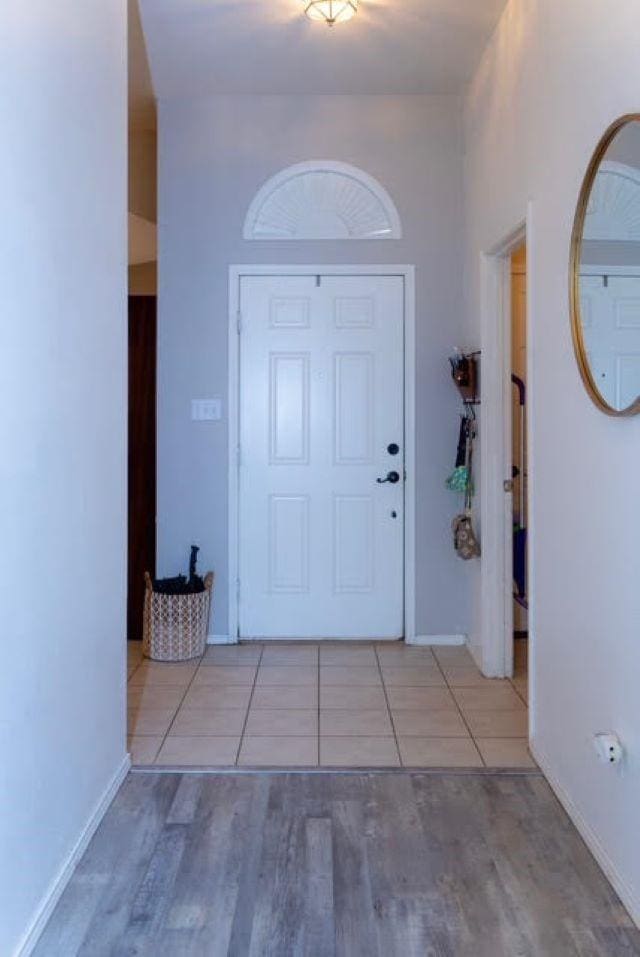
198	47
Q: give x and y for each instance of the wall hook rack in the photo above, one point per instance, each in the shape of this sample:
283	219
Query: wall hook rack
465	372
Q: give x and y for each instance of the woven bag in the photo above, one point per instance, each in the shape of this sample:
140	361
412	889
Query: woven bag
175	626
464	538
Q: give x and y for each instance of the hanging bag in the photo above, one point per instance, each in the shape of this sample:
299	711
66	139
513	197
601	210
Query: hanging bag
465	540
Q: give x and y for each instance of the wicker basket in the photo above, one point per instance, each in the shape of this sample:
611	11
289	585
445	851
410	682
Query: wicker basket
175	626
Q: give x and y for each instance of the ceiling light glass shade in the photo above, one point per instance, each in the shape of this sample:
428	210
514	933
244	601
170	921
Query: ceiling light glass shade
330	11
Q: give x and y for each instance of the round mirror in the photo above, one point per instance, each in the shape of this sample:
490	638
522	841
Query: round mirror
605	271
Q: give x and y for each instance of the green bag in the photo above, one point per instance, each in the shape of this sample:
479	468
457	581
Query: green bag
459	480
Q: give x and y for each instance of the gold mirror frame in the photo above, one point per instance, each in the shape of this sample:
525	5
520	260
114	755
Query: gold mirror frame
574	271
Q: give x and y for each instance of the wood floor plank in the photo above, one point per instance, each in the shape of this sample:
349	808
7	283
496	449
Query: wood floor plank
185	803
338	865
353	898
153	898
319	927
401	872
279	906
207	887
94	909
249	871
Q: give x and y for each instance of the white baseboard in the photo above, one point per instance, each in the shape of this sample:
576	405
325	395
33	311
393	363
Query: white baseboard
60	881
437	640
629	895
300	640
416	640
221	640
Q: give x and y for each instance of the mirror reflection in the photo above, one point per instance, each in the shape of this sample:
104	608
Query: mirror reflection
608	263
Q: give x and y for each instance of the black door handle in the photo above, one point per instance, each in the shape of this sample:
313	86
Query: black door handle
393	477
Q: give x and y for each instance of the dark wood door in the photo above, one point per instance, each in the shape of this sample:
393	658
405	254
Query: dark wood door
142	454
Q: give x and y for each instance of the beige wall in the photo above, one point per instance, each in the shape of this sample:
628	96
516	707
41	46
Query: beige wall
143	279
143	201
143	150
142	173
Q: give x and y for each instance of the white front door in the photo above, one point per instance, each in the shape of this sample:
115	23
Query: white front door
611	327
321	539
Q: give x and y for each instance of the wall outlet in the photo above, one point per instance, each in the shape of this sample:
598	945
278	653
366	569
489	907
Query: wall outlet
608	747
206	410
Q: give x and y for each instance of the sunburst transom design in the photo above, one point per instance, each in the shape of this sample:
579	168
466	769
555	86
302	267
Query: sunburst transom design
613	211
322	200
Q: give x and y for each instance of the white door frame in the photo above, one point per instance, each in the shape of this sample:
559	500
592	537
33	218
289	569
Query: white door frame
407	273
496	515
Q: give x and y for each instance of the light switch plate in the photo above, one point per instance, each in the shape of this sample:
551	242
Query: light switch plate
206	410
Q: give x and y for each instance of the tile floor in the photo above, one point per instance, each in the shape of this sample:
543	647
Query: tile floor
334	705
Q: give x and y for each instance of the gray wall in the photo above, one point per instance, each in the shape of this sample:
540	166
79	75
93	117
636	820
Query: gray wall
63	342
214	154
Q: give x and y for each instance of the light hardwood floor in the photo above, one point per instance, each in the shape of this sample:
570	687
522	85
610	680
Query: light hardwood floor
348	704
326	864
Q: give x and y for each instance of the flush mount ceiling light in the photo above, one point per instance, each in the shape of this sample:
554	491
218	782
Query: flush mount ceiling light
330	11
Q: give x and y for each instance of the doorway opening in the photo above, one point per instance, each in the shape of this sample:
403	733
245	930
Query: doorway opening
508	568
142	456
321	432
519	454
142	328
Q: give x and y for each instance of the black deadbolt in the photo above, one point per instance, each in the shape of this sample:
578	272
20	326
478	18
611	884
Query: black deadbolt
393	449
393	477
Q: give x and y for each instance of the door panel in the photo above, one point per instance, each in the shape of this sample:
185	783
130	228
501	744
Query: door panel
321	397
353	537
288	544
289	409
353	408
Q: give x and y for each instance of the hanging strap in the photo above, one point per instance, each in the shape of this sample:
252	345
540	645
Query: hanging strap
468	492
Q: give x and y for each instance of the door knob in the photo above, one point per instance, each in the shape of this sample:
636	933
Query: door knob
393	477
